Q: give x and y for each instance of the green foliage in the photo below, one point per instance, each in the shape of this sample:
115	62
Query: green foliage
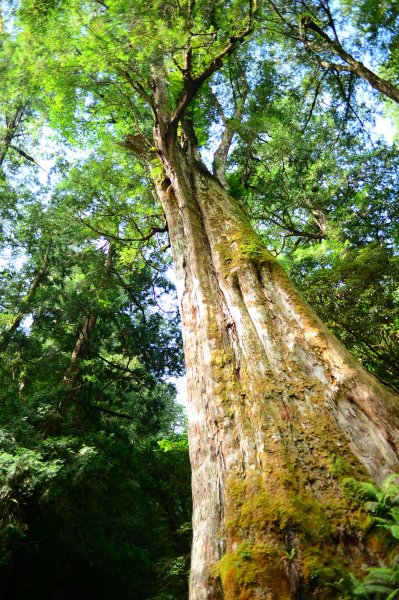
91	506
328	210
95	476
93	514
380	582
382	504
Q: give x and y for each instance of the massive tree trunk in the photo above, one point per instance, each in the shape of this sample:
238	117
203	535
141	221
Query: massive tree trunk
278	409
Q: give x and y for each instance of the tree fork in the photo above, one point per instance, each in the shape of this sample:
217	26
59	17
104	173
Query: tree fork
279	412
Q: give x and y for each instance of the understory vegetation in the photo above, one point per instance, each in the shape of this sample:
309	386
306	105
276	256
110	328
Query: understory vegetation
382	506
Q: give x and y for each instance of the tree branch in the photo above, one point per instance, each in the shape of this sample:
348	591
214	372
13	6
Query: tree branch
222	151
143	238
382	85
316	95
107	411
193	84
138	87
32	291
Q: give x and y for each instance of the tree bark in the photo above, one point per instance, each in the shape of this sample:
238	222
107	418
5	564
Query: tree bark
278	410
81	349
32	290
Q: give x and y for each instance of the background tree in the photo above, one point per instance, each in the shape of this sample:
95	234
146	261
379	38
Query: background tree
84	513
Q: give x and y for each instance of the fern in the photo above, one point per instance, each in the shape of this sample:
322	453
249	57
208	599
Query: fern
380	583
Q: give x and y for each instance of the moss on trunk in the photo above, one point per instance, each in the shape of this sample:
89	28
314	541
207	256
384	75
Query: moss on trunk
279	412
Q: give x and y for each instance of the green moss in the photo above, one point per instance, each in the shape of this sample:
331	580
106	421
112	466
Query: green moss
338	466
249	566
220	358
242	246
237	491
312	519
322	569
313	528
252	247
262	509
240	561
354	492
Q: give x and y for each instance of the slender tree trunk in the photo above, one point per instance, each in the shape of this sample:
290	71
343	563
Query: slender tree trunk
16	322
278	409
13	122
82	346
81	349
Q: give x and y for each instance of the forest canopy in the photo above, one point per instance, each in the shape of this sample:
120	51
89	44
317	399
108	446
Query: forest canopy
290	109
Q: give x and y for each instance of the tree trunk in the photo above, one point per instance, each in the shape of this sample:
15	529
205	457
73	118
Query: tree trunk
16	322
82	346
7	335
13	122
278	409
81	349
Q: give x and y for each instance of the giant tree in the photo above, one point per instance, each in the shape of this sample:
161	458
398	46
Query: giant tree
278	410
